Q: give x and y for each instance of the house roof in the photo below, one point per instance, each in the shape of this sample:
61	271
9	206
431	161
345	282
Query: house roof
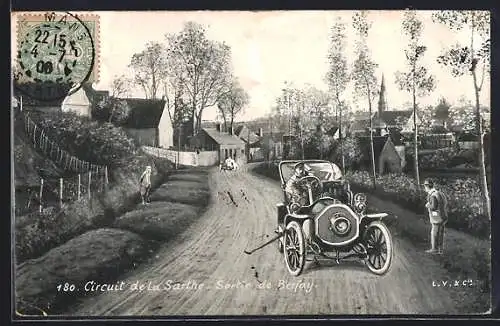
391	117
439	130
378	144
358	125
223	138
144	113
245	134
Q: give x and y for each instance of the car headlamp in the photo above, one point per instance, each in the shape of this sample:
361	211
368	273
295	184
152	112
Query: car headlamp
360	202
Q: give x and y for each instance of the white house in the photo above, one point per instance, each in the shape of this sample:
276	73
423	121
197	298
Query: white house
77	102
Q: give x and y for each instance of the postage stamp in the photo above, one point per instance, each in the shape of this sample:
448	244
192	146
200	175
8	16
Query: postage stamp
56	53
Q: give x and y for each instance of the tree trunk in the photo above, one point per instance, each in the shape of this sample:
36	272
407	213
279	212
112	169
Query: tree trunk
372	150
482	159
415	139
340	138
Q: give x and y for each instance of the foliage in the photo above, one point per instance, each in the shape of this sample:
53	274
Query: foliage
120	86
93	141
352	153
200	66
337	75
442	110
465	209
149	68
112	110
363	72
232	103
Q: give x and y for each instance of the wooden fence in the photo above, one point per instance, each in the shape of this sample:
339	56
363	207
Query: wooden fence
64	190
53	151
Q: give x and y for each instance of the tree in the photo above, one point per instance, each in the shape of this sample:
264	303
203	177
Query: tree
232	103
417	81
112	110
149	68
442	110
120	86
202	66
363	74
337	76
464	60
315	116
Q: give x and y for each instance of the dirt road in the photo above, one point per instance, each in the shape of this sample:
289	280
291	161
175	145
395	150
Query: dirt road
211	252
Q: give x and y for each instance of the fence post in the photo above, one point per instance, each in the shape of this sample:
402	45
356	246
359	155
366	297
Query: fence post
106	177
41	193
79	186
60	191
88	186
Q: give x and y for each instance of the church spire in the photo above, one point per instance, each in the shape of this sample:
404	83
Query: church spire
382	102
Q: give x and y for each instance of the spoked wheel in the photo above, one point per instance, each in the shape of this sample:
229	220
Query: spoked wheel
294	248
379	248
280	240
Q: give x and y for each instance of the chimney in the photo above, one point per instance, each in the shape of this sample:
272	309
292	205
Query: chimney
261	133
231	130
219	127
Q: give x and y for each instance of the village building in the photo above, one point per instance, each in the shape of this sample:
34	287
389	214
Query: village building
226	144
251	139
271	144
148	122
389	157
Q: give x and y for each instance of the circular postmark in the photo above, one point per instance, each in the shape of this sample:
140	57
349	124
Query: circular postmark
55	56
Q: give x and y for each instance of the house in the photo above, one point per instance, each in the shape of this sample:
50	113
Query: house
388	158
148	122
359	127
79	101
438	137
246	135
227	144
271	145
468	141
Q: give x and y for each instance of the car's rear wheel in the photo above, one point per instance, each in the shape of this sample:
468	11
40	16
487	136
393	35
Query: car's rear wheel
294	248
378	243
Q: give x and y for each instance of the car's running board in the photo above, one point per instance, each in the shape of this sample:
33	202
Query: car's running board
376	215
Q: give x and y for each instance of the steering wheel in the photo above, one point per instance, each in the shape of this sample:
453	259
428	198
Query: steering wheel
311	182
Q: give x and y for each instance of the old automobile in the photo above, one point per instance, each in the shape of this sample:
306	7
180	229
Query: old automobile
341	226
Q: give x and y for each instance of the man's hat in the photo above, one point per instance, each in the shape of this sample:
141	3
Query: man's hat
302	165
428	182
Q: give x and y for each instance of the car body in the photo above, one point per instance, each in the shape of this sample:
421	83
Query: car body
339	219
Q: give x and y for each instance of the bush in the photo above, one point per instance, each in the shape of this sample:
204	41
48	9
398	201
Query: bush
464	198
97	142
447	157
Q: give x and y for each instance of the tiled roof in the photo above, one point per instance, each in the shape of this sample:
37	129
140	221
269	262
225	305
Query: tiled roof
223	138
245	134
378	144
391	117
144	113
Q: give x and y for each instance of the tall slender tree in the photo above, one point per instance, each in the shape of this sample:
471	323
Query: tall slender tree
416	81
338	76
232	103
363	74
465	59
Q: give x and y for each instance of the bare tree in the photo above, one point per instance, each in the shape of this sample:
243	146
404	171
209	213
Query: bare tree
202	65
120	86
465	59
233	102
338	76
149	69
417	81
363	74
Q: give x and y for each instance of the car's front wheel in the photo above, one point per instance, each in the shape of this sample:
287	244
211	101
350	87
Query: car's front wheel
294	248
378	243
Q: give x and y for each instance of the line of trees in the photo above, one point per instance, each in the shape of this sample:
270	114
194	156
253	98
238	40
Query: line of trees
462	59
192	73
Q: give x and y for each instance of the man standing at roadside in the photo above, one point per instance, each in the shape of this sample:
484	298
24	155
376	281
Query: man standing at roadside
145	185
437	206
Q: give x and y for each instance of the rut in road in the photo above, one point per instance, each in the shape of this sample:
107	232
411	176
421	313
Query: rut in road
211	252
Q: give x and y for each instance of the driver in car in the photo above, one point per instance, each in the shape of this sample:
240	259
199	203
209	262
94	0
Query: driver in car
294	190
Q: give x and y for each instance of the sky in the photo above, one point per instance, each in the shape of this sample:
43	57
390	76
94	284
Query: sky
269	48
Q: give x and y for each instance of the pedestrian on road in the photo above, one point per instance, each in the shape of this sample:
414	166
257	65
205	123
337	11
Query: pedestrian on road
145	185
437	207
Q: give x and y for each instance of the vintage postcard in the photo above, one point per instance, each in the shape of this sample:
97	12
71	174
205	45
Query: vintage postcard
206	163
